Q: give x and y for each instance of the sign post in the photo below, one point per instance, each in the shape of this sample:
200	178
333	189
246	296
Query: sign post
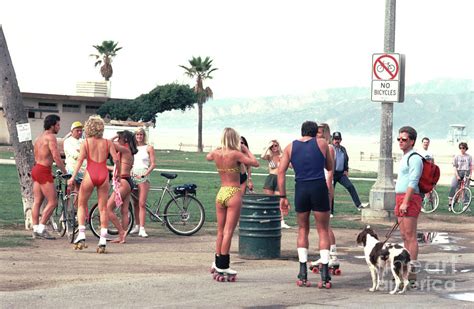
388	77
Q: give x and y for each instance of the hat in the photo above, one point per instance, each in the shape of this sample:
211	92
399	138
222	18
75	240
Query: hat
336	135
76	124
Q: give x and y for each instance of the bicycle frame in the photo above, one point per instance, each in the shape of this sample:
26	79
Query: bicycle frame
153	209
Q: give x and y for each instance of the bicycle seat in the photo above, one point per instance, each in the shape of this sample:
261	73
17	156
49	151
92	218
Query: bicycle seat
66	176
169	176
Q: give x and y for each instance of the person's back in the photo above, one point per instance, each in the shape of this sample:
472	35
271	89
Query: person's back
42	151
307	160
97	149
228	167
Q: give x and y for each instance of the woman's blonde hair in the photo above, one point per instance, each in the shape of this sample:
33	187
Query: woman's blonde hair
274	141
326	131
94	126
230	139
141	130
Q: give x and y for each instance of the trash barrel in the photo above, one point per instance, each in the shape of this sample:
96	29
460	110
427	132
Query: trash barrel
260	227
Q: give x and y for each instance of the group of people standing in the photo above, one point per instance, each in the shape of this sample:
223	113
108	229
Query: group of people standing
86	160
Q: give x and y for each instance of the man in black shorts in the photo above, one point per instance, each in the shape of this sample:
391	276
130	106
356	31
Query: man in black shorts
308	156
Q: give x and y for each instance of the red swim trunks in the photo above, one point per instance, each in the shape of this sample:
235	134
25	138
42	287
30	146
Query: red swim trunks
414	205
42	174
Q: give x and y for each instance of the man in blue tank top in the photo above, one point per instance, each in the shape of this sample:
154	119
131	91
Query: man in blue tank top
308	157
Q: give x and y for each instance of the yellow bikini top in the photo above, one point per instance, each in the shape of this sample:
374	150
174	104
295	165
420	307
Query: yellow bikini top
229	170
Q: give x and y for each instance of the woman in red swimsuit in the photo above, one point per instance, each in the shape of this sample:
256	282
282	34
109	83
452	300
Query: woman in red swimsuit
126	147
96	150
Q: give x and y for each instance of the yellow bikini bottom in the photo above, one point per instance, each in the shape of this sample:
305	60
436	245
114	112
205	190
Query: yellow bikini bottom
225	194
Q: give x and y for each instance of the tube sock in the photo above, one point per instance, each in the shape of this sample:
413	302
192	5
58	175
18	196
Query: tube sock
324	254
302	255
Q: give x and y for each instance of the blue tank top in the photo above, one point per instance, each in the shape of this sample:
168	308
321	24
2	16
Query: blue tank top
307	160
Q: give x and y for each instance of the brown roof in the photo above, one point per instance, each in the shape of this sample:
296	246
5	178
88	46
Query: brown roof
62	97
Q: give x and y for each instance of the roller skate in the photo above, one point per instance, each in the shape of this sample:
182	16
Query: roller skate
325	277
222	271
303	276
101	249
334	266
80	242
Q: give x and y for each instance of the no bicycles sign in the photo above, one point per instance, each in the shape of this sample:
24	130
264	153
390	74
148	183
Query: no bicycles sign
388	77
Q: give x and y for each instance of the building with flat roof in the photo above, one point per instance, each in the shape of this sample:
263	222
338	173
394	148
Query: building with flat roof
69	107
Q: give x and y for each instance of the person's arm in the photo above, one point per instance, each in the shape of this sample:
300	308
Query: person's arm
455	166
246	157
53	148
80	160
210	156
115	157
151	154
248	168
329	159
330	178
346	162
282	168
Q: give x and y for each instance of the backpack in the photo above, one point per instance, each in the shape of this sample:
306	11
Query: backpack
429	176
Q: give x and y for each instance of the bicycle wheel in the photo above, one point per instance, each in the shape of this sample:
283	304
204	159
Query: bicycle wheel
184	215
69	222
430	202
461	200
94	220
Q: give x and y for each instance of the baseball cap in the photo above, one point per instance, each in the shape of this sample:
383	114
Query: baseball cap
336	135
76	124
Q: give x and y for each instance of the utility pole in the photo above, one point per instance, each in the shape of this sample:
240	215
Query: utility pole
14	112
382	194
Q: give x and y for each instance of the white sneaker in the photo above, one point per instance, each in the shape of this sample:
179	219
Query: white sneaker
135	229
331	215
142	233
284	225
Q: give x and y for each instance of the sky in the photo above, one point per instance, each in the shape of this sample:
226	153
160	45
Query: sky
261	48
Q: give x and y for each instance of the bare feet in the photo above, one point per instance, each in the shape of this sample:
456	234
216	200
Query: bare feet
120	239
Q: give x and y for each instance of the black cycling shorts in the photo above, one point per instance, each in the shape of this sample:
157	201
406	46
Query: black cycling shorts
311	195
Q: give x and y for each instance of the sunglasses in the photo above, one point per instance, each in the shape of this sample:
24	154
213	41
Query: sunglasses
274	145
462	147
403	139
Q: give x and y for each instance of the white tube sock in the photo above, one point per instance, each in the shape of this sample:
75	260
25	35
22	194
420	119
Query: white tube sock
333	250
303	255
324	254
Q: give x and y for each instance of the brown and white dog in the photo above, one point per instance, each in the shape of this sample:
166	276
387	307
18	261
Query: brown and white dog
378	255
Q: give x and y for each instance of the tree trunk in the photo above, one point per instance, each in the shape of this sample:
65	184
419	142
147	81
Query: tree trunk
15	113
200	147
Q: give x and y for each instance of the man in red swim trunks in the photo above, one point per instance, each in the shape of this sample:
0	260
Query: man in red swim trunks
46	151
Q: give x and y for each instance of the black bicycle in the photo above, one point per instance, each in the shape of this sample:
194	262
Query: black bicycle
63	218
183	214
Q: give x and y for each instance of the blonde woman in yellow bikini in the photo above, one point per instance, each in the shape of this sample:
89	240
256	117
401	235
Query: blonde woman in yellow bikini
272	153
228	159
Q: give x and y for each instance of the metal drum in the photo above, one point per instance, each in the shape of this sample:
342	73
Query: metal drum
260	227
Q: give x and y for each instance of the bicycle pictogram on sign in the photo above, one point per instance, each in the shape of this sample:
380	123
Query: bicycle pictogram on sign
386	67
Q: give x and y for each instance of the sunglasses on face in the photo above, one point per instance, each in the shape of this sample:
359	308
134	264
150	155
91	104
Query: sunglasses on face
462	147
403	139
274	145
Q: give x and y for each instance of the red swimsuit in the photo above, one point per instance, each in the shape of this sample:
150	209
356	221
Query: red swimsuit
98	171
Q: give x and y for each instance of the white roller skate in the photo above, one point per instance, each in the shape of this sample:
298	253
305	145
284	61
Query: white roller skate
80	242
221	274
303	276
334	266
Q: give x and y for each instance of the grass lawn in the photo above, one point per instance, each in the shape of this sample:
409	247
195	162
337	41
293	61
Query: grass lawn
11	209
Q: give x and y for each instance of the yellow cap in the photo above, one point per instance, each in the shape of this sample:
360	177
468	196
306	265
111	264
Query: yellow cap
76	124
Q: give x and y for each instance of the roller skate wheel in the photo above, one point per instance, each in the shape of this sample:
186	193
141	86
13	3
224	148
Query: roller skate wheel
315	270
328	285
299	283
308	284
221	279
213	270
231	278
320	285
337	272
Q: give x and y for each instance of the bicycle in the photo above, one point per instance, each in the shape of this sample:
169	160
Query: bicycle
63	218
430	202
183	214
462	198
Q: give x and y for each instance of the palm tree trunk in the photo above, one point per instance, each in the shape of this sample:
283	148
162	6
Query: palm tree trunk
15	114
200	106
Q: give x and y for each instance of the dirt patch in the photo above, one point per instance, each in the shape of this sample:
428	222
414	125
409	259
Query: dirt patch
55	263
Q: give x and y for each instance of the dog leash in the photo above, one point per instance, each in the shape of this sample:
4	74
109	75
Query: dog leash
394	228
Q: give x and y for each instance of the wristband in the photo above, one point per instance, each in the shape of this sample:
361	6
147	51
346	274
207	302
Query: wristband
282	196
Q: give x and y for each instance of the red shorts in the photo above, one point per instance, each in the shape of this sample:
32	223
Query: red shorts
414	205
42	174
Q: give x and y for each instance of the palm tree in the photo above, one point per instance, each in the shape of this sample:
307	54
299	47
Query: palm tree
106	51
201	69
